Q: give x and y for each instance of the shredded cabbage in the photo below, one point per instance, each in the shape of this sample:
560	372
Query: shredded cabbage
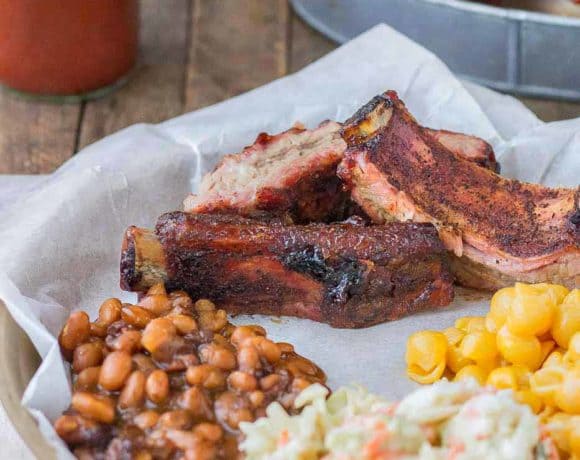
457	420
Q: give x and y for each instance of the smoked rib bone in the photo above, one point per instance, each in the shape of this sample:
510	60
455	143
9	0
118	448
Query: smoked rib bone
499	230
347	275
294	173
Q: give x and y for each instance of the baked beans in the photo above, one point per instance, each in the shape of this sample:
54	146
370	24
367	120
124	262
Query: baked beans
171	378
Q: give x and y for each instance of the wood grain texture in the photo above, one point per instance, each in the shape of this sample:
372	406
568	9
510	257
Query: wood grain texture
35	138
193	53
306	45
235	46
548	110
155	92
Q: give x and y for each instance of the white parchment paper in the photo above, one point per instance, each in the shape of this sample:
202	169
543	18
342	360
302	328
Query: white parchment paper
61	235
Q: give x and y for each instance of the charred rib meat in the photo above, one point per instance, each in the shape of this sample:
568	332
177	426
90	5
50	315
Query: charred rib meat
499	230
294	173
347	275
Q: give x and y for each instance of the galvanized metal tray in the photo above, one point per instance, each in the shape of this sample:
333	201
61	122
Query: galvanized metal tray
510	50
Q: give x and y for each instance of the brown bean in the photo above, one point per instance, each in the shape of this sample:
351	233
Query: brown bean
129	341
157	386
204	305
75	430
178	419
196	402
133	394
146	419
158	304
228	330
299	384
219	339
65	424
76	330
212	321
231	409
99	329
299	366
96	407
217	355
184	324
248	358
144	363
181	302
210	431
157	289
115	369
241	333
269	382
189	359
136	316
87	379
267	349
285	347
157	333
194	446
110	311
87	355
143	455
205	375
242	381
257	398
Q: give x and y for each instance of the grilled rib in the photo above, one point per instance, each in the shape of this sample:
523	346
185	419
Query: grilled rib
347	275
500	230
294	173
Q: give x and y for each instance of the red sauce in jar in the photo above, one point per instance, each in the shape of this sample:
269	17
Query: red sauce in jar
66	47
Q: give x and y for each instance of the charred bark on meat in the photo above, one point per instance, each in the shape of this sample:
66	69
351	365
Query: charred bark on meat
347	274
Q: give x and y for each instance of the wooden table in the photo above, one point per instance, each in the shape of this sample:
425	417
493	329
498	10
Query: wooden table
193	53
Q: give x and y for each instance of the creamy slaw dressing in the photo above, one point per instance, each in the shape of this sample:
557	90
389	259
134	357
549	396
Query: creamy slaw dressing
447	420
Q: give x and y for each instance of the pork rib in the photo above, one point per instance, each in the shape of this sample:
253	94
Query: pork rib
500	230
467	147
294	173
347	275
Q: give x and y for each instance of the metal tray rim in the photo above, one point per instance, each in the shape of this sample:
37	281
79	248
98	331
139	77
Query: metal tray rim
516	18
478	8
509	13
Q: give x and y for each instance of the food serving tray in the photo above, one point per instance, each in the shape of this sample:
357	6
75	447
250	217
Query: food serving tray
510	50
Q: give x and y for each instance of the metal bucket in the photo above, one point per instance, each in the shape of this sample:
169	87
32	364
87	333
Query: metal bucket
511	50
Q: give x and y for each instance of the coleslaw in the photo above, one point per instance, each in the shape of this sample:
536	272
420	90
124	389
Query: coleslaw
447	420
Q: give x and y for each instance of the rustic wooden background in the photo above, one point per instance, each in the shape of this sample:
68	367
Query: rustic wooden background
193	53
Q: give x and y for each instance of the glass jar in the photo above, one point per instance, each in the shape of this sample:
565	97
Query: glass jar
67	50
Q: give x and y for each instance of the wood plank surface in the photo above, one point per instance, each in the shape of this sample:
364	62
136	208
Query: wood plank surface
35	138
193	53
235	46
306	45
155	92
549	110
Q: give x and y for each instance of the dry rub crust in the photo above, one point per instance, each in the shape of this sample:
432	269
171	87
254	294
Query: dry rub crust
468	147
294	173
510	229
347	275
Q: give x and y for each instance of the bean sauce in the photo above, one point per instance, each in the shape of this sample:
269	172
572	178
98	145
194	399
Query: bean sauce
171	379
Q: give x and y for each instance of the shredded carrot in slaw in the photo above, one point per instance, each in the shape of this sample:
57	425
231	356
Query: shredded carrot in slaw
284	438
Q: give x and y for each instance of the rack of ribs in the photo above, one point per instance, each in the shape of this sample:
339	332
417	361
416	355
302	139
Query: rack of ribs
346	274
294	174
499	230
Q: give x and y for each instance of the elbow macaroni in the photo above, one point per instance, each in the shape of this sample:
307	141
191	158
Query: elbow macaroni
528	342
